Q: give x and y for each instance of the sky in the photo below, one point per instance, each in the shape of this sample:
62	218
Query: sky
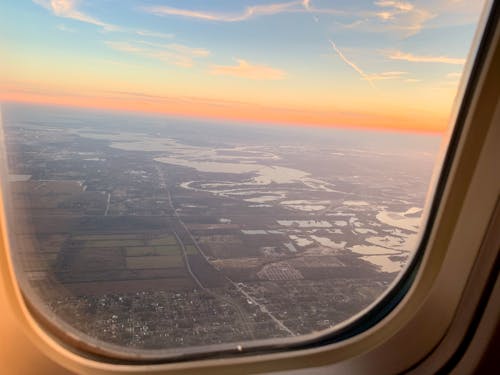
379	64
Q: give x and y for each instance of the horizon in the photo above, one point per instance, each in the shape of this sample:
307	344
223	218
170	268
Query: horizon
224	122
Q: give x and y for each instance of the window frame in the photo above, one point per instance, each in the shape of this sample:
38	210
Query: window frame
453	238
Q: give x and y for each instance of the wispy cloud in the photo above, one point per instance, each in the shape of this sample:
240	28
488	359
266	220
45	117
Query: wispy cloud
351	25
454	75
398	55
402	17
247	13
385	15
171	53
69	9
154	34
387	75
398	5
245	69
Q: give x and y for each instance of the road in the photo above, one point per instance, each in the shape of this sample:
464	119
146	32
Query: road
239	310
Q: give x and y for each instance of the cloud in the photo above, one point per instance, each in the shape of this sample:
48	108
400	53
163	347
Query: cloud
248	12
401	15
171	53
244	69
352	25
392	9
297	6
176	48
68	9
398	55
154	34
188	51
386	75
385	15
454	75
399	5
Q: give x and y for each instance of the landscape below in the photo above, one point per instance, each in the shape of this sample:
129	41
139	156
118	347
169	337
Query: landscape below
152	234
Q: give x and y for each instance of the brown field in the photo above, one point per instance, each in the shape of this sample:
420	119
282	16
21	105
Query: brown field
50	259
53	225
63	204
51	243
202	227
93	259
43	243
35	262
220	239
154	261
238	263
50	187
316	261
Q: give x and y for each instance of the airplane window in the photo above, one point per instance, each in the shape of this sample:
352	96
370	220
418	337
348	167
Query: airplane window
194	176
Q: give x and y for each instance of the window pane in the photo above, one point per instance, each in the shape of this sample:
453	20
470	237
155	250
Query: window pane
200	173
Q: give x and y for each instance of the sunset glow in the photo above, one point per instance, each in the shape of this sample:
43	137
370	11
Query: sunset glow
376	64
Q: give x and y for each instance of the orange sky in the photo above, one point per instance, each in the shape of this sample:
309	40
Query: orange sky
242	112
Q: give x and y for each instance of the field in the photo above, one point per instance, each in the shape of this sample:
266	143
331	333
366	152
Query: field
113	243
107	237
191	250
141	251
154	261
90	253
101	262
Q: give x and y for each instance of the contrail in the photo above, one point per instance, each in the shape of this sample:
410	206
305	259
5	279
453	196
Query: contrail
365	76
307	5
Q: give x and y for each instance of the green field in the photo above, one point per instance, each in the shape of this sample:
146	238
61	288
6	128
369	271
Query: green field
191	250
155	261
163	240
152	250
114	236
113	243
